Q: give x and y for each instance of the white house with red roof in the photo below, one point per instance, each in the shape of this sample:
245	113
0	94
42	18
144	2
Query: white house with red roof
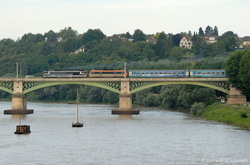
186	42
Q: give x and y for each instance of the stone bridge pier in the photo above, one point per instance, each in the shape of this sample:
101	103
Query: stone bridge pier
235	96
19	102
125	100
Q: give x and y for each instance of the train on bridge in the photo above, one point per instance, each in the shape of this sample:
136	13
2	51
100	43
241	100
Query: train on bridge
136	73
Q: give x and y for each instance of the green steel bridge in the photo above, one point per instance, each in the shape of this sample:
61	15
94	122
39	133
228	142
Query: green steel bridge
112	84
125	87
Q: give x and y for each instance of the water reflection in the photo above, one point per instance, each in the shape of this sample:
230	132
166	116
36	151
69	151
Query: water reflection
18	117
125	117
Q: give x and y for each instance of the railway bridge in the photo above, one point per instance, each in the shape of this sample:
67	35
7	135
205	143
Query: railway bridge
125	87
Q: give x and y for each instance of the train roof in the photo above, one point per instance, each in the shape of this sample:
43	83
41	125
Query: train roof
161	70
107	70
207	70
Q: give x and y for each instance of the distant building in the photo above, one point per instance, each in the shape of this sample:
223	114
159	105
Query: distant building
79	50
186	42
211	39
246	41
151	39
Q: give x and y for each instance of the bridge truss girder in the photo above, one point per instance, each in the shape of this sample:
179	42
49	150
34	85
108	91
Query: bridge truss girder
109	85
115	86
222	86
7	86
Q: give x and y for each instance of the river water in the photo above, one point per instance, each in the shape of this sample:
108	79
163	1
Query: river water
156	136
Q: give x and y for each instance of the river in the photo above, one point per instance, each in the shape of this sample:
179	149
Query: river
155	137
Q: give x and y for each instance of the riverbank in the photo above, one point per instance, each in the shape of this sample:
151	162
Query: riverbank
229	114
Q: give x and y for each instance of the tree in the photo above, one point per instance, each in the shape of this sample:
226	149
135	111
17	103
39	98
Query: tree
92	35
163	45
209	31
139	36
176	39
229	39
46	48
197	108
216	32
244	74
237	70
51	36
176	53
128	35
67	33
201	32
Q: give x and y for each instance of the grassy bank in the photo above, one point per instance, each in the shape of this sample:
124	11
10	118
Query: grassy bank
229	114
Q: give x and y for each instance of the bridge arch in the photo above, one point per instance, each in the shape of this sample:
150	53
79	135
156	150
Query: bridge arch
223	87
29	86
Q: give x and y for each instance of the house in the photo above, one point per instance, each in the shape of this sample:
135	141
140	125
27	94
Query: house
211	39
186	42
81	49
246	41
151	39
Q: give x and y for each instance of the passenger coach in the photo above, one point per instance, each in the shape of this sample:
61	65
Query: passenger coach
208	73
158	73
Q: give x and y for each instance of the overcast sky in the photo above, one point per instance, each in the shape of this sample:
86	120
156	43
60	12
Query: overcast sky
120	16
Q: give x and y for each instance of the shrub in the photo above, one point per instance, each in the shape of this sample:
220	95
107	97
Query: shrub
197	108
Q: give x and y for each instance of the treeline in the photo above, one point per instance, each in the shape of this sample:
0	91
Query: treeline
38	52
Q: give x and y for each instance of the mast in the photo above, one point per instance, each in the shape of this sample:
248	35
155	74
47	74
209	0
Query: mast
77	108
125	68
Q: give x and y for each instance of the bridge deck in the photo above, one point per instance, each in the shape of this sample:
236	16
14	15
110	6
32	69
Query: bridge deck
112	79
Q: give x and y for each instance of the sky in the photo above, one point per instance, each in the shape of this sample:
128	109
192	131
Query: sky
19	17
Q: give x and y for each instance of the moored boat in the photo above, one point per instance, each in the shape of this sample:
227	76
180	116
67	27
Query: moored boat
22	129
77	124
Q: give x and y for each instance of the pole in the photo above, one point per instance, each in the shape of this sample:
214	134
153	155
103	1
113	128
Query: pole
17	71
125	69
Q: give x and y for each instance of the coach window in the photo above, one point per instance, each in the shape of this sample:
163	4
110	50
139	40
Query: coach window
222	72
213	72
199	72
174	73
217	72
156	72
208	72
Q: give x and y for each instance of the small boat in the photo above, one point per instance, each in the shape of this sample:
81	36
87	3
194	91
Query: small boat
22	129
77	124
